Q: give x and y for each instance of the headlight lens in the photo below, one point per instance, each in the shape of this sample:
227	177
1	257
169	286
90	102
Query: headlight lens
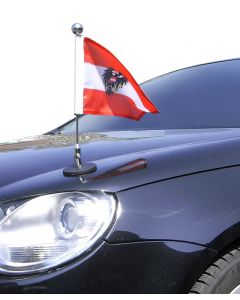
52	229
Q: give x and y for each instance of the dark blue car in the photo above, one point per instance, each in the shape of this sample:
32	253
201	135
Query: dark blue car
160	215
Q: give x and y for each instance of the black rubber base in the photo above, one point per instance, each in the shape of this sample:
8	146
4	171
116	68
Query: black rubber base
84	169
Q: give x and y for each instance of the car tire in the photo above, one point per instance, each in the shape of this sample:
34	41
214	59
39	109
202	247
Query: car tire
222	277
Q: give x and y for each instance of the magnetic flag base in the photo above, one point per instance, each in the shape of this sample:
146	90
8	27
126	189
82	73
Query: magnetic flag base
79	171
80	168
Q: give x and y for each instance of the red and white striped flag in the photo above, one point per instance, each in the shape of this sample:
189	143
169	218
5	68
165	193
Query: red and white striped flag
108	87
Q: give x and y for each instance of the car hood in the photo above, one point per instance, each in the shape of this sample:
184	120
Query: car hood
124	159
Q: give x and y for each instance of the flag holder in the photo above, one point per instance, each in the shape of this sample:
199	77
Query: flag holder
80	168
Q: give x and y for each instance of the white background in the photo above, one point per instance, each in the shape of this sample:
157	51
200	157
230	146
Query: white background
150	37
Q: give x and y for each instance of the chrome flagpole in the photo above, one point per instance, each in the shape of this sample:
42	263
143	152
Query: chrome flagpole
79	169
77	30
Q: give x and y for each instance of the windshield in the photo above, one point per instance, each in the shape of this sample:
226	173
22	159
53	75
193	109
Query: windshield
206	96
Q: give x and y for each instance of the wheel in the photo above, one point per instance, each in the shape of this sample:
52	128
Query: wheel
222	277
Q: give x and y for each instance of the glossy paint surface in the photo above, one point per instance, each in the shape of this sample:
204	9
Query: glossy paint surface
39	168
202	208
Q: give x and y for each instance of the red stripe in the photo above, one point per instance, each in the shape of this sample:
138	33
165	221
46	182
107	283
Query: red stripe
97	55
96	102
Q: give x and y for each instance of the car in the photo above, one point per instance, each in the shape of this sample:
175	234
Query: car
161	214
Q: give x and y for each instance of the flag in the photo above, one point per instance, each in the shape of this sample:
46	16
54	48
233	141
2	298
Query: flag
109	88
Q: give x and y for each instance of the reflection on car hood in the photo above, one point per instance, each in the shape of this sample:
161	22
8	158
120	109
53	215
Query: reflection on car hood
124	159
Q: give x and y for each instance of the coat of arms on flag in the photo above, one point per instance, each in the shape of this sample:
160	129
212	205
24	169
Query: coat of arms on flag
113	81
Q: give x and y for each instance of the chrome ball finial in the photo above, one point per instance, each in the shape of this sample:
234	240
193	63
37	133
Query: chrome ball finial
77	29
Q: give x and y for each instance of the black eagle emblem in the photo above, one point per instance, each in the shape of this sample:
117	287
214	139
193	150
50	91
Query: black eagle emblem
113	81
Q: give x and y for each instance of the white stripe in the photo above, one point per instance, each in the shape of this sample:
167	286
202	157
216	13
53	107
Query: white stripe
79	75
93	77
93	80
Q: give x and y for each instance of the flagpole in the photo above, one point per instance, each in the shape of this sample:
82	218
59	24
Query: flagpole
80	168
77	30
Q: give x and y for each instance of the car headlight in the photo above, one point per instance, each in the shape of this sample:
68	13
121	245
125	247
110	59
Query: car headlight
49	230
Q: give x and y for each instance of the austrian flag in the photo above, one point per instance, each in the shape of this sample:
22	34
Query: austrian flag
108	87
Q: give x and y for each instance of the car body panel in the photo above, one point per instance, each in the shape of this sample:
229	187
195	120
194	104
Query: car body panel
201	208
39	168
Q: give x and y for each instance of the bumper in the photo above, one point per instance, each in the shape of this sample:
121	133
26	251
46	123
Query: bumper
141	267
